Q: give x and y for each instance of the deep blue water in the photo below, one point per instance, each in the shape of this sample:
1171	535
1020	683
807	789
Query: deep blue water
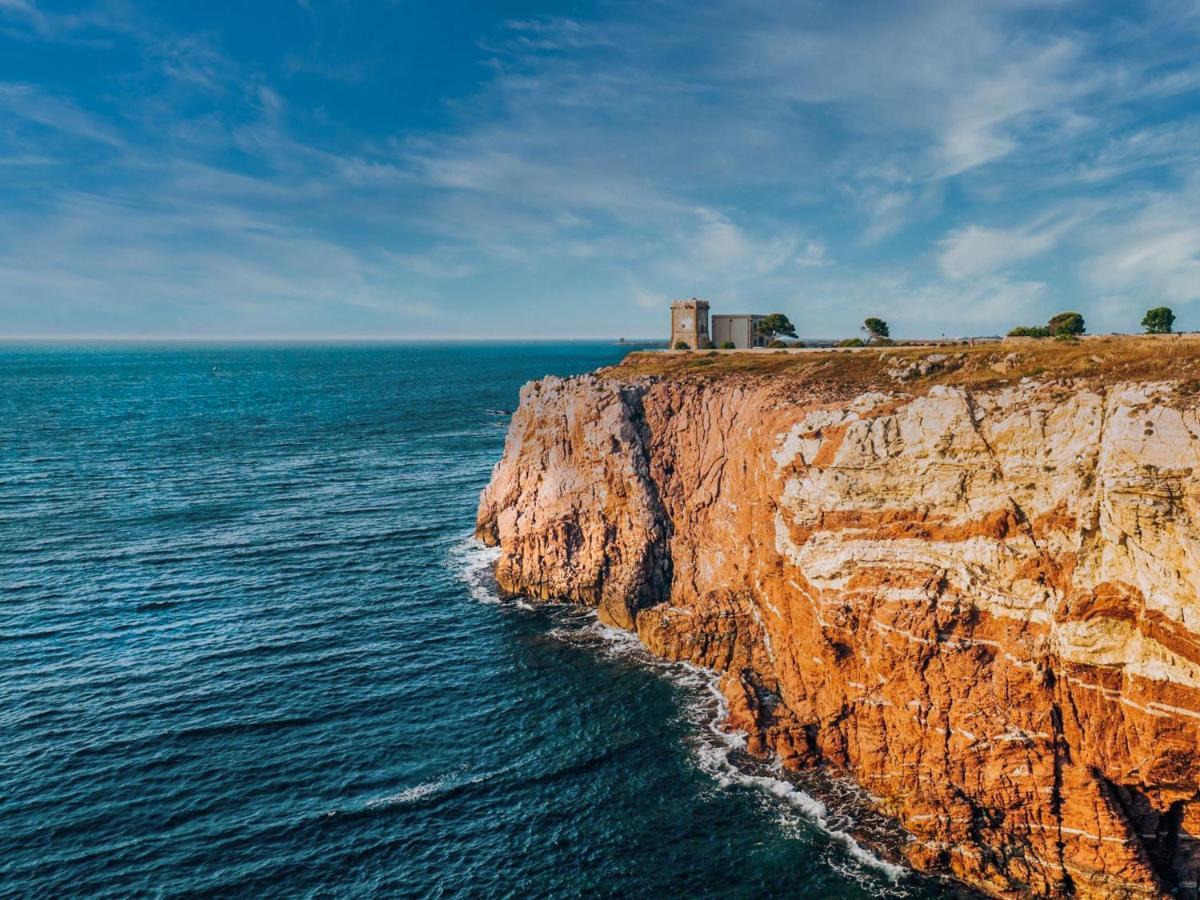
248	650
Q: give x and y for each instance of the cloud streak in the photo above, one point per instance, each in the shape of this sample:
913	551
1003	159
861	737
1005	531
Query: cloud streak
953	167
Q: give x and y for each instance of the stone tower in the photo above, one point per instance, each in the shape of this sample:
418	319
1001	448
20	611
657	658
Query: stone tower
689	323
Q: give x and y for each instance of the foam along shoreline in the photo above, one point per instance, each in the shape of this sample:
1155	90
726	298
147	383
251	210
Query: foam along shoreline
715	749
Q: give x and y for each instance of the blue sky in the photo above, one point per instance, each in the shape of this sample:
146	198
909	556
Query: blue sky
336	168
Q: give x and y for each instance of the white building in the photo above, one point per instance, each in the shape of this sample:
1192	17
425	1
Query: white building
740	329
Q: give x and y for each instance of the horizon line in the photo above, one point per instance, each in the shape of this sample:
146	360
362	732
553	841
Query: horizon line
346	338
395	339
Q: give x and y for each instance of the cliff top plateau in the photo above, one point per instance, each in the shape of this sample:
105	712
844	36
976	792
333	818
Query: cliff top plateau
1092	359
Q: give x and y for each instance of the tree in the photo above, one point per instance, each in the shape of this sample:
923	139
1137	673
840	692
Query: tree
875	329
1159	320
1033	331
1066	323
776	325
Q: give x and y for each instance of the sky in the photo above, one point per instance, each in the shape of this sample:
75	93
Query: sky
422	169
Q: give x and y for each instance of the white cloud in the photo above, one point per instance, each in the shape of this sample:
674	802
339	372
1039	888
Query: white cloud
975	250
62	114
1152	257
835	305
202	268
987	303
813	253
551	33
1142	149
982	120
721	248
597	163
648	299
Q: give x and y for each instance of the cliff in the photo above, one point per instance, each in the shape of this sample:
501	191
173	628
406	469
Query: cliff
968	580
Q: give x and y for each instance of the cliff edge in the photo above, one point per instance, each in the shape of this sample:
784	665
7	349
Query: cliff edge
968	579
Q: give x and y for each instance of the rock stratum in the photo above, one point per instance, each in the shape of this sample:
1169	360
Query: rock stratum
976	596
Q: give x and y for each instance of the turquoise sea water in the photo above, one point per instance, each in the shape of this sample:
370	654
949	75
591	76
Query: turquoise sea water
248	649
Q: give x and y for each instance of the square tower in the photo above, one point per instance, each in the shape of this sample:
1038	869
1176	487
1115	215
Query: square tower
689	323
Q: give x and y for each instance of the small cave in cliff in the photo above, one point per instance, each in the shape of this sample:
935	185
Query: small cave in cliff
1165	847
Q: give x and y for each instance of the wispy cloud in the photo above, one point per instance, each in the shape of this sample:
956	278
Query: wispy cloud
1152	256
975	250
950	166
56	113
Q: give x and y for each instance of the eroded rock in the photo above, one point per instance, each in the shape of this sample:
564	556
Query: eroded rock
982	606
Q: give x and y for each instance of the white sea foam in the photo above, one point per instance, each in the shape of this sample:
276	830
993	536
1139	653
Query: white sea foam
708	710
715	745
714	760
456	779
713	754
473	562
409	795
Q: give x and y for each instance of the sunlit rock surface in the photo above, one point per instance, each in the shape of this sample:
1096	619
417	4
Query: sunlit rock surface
980	602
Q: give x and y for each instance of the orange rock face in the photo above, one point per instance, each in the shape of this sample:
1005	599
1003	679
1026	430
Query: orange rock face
983	606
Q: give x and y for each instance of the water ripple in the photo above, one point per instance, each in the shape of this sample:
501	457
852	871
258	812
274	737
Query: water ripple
243	654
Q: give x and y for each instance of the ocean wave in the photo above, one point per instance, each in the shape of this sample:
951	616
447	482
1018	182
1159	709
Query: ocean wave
715	760
450	783
473	561
717	751
409	795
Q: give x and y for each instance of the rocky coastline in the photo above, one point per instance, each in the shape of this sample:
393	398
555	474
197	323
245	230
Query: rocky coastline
971	583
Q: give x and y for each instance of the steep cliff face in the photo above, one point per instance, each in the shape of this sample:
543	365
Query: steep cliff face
981	603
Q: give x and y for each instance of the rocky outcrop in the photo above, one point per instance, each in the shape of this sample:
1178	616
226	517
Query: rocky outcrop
982	604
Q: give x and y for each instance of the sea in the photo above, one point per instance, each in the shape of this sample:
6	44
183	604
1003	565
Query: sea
249	648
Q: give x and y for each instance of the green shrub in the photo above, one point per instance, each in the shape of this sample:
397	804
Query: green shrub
852	342
777	345
682	345
728	345
1033	331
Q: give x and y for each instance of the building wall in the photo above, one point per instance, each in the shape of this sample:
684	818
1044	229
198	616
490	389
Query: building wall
689	323
740	330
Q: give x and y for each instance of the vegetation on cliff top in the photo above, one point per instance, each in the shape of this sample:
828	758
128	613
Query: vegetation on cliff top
877	330
1063	325
1139	358
776	325
1159	320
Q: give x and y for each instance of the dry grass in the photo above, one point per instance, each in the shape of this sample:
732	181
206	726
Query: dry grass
1100	359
